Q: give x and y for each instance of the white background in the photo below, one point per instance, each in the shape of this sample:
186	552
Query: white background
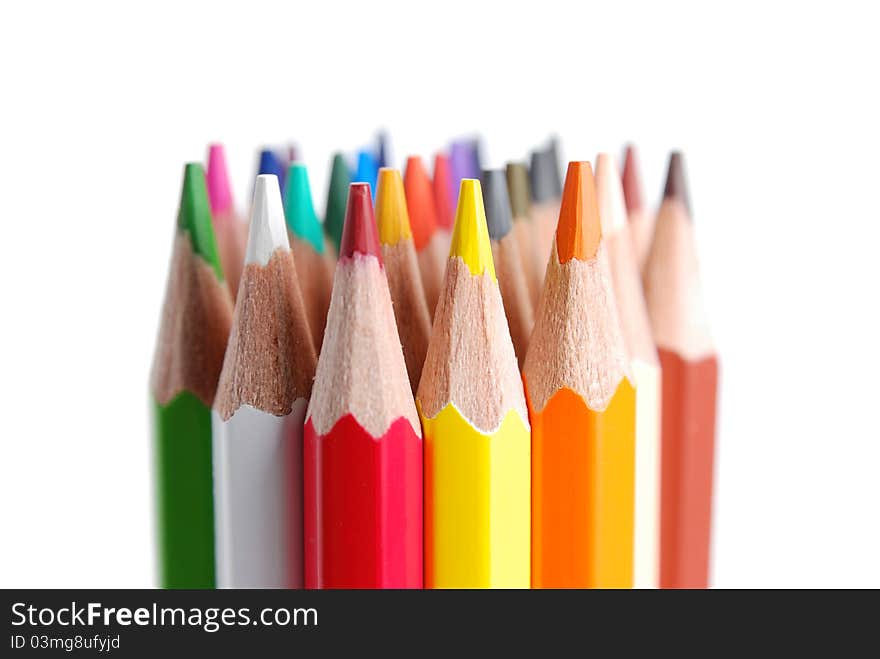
775	105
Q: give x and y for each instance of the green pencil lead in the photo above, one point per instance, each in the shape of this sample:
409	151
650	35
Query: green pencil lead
337	197
194	216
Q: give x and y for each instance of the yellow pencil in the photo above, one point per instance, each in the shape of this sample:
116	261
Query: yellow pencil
473	410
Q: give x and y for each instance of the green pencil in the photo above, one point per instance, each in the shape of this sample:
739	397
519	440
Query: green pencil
189	355
337	198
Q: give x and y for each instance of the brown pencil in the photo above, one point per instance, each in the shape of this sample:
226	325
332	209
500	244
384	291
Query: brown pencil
690	377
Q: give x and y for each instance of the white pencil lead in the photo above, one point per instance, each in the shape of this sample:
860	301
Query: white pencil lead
268	230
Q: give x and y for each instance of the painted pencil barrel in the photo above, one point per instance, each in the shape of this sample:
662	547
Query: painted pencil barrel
258	498
363	506
688	454
184	492
583	471
476	503
646	555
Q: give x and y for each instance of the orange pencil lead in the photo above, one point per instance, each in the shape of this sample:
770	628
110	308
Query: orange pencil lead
578	231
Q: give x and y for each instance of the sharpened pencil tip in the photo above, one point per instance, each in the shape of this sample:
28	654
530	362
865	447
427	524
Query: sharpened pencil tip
541	177
632	186
497	201
359	235
270	164
676	185
419	202
578	231
367	169
217	175
609	193
444	199
470	238
298	207
268	230
518	188
337	197
392	217
194	216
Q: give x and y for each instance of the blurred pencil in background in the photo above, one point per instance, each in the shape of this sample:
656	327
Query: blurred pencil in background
520	199
363	446
307	242
475	421
641	218
545	203
337	197
636	327
582	409
444	201
690	377
402	270
259	411
228	227
423	221
196	317
508	261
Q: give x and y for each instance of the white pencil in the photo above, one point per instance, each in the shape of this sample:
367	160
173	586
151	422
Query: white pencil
636	329
259	411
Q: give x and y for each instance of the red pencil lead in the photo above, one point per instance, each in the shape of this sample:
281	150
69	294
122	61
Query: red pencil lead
359	235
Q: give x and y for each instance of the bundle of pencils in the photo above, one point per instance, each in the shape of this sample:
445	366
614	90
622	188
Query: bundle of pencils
506	381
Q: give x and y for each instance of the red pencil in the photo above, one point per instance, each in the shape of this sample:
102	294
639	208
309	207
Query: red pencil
362	451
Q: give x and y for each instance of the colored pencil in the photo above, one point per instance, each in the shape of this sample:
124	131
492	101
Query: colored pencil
545	203
423	221
627	283
259	411
641	219
690	379
508	261
444	201
270	163
309	253
367	170
464	160
228	228
582	409
523	229
337	196
475	421
402	270
363	446
383	151
189	354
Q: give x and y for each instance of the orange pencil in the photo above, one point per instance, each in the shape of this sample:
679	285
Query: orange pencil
582	410
430	246
690	378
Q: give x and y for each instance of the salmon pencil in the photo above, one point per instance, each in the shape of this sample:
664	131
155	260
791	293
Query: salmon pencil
641	219
582	409
363	445
645	365
508	261
259	411
307	242
195	323
476	427
231	232
402	270
423	221
690	379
